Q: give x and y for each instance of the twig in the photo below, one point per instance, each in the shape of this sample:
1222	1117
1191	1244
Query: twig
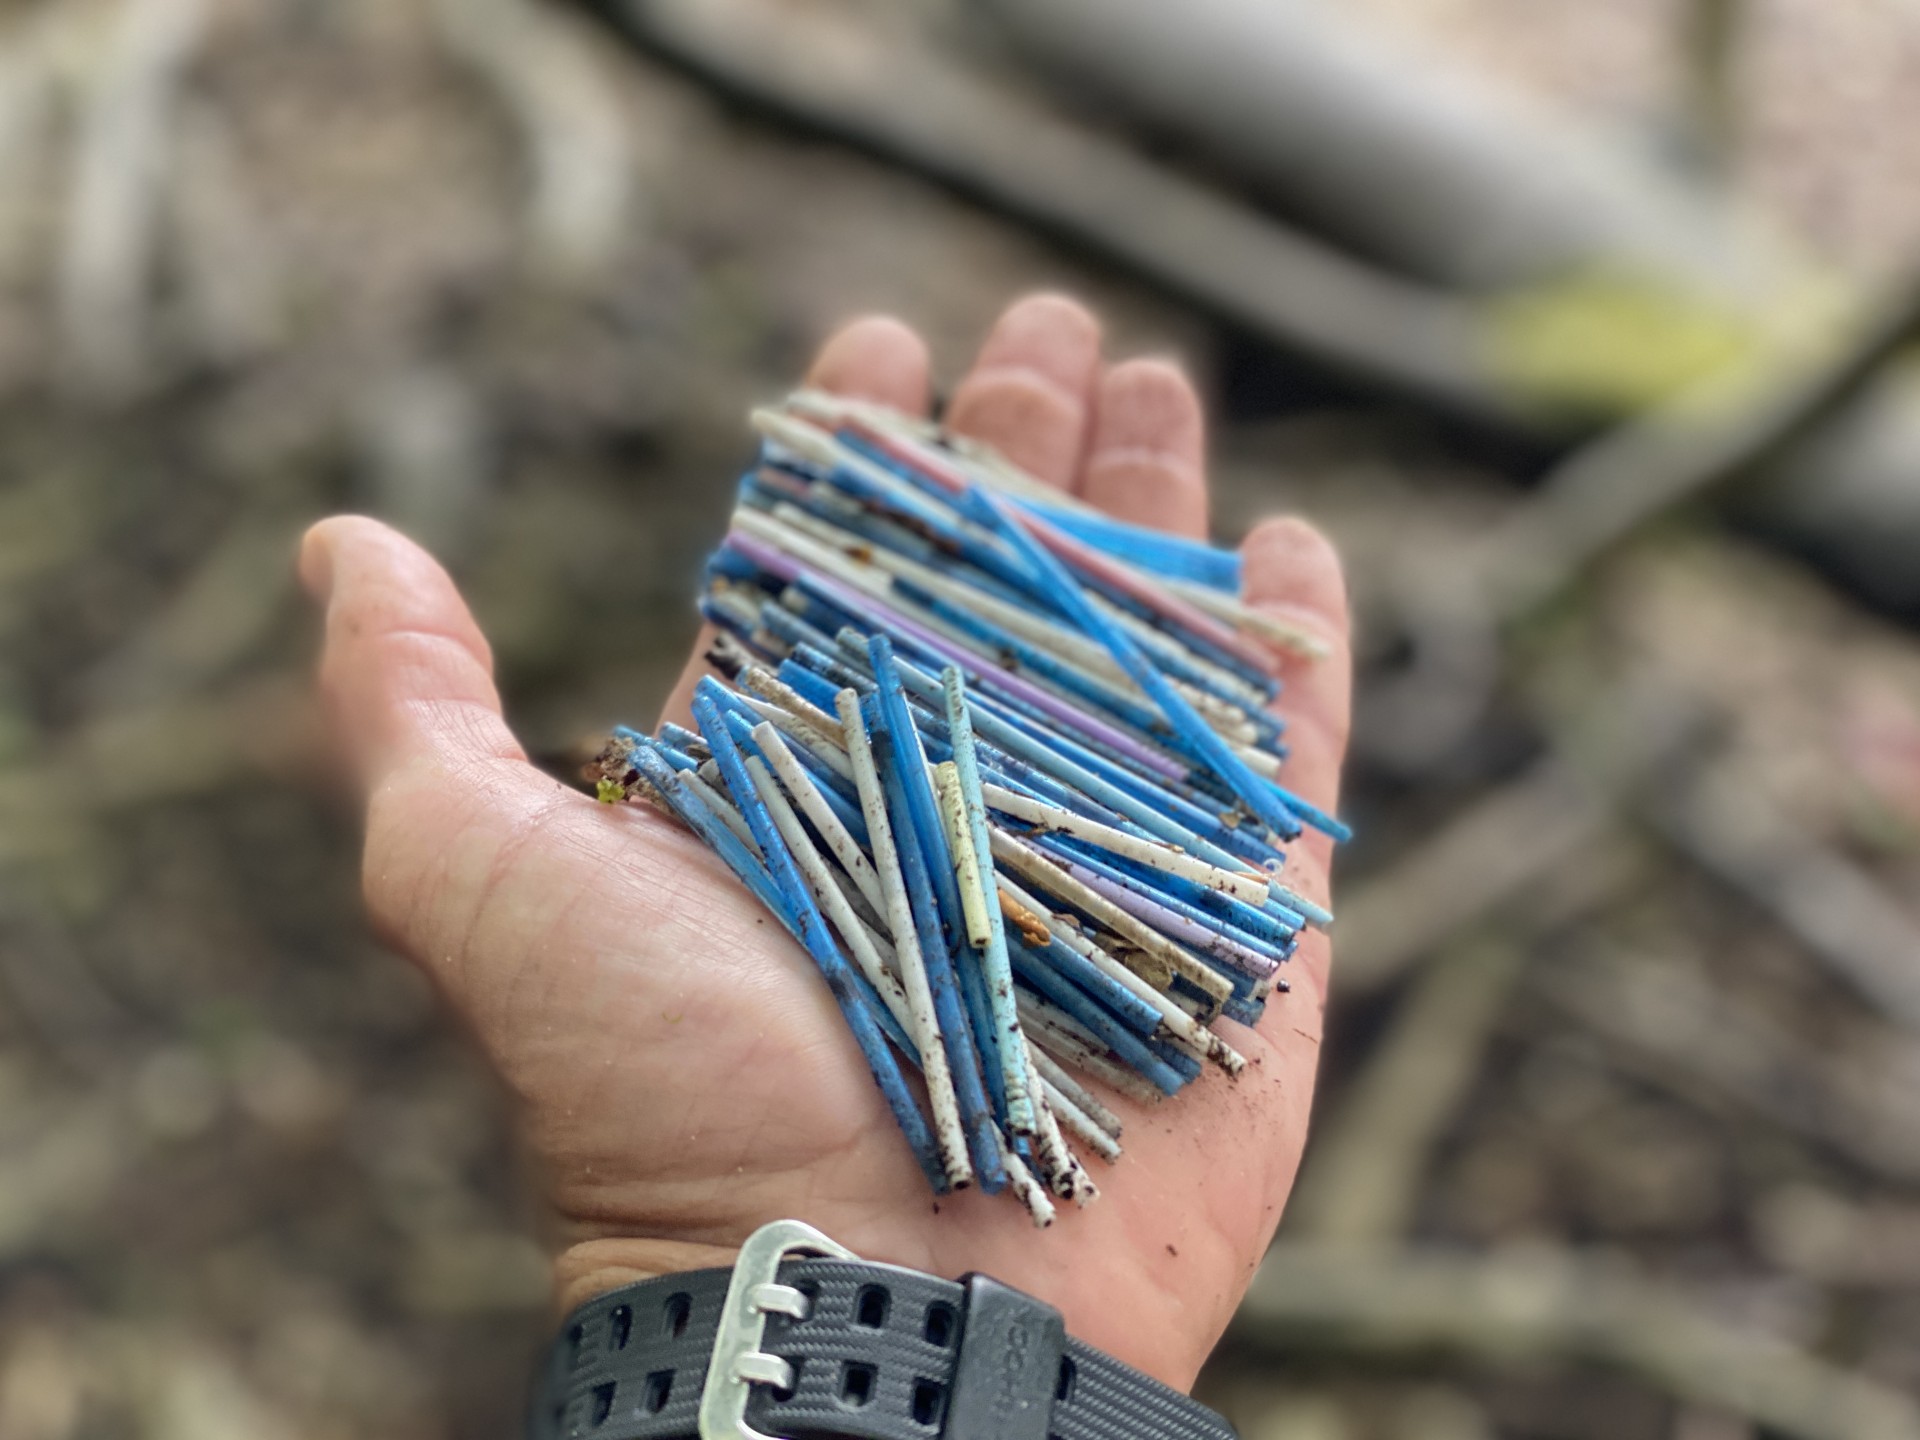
112	224
1363	1175
1716	1052
1710	41
1471	866
582	197
1508	1312
232	277
1839	913
212	621
28	61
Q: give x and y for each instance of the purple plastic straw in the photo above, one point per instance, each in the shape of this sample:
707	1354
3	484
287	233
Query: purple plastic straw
856	602
1174	927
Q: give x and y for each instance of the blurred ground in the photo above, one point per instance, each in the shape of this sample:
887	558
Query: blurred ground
467	266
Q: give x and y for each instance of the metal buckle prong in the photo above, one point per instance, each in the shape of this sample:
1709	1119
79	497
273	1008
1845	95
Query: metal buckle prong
760	1368
754	1293
782	1300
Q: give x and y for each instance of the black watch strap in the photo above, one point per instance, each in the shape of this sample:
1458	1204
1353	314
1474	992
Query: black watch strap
882	1354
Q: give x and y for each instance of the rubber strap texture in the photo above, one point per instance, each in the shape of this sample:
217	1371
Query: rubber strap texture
884	1354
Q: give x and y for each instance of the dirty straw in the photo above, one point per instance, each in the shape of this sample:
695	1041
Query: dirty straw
1007	769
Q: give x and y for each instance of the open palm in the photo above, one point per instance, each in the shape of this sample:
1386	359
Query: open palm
685	1075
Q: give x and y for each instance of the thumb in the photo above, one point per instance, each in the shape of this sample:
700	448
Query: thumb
406	675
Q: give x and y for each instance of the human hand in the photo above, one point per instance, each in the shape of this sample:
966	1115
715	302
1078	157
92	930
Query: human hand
684	1073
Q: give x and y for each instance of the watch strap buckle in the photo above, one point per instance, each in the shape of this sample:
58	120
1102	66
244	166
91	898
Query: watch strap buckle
753	1294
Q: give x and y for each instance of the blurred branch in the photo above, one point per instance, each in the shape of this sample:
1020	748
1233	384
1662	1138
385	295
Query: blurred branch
1599	501
113	217
1552	836
1507	1312
1367	1159
573	129
147	753
1362	1181
1716	1051
27	103
62	1171
1387	148
900	103
1469	867
1837	912
1710	36
1691	452
234	279
49	989
213	619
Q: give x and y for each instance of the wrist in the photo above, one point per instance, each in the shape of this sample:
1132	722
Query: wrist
591	1268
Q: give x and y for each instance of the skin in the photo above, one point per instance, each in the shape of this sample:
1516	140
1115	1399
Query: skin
681	1069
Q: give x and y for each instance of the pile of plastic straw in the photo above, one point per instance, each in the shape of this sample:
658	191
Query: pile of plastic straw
1007	769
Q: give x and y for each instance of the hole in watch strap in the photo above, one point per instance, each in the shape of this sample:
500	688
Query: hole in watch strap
929	1401
602	1403
679	1310
856	1385
870	1309
939	1328
659	1391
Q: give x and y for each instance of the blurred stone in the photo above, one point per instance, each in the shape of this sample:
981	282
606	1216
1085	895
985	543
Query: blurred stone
476	1273
193	1393
40	1387
1433	1413
177	1093
1302	1417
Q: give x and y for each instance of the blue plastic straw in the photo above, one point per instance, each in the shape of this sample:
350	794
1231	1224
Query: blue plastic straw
1131	1050
995	644
1244	1012
833	790
1274	923
799	909
1156	797
922	827
809	686
1196	736
790	629
1178	1060
1125	1006
999	971
824	664
694	812
1153	550
947	529
976	1112
1152	819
